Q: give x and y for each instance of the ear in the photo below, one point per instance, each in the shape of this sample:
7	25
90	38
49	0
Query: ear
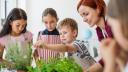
57	19
98	11
75	33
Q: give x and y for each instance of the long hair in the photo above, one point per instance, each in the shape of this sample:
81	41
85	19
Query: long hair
15	14
118	9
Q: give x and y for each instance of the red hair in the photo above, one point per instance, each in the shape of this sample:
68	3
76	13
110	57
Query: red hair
95	4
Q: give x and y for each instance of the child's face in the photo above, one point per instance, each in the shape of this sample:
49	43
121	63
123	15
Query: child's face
18	26
67	35
89	15
50	22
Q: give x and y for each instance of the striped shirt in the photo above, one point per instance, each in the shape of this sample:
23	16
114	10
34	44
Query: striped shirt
82	55
46	54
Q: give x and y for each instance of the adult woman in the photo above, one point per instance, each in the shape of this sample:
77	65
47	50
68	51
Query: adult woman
93	12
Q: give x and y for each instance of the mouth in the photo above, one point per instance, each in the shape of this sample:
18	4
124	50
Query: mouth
63	40
90	24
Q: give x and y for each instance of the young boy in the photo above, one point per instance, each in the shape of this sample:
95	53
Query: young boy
68	32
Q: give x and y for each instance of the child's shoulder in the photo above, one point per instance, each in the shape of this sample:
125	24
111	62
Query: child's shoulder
28	35
80	44
80	41
3	39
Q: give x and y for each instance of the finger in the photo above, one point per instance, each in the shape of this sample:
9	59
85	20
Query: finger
106	41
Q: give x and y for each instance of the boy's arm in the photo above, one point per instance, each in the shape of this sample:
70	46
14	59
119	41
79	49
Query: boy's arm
55	47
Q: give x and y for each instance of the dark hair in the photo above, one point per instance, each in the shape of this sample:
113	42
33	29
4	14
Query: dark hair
15	14
50	11
100	4
118	9
68	22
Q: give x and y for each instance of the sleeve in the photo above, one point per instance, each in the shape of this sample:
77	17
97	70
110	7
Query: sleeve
29	36
80	45
2	41
85	59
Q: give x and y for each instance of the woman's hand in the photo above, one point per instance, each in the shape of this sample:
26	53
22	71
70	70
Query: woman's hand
108	49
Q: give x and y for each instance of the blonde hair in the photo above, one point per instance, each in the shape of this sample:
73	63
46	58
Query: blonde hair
70	23
118	9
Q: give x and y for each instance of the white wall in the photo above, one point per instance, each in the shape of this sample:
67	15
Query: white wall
10	5
64	8
34	9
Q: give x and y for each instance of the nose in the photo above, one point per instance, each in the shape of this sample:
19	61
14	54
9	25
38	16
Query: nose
62	36
20	29
49	25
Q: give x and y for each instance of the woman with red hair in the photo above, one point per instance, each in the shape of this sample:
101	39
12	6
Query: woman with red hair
93	12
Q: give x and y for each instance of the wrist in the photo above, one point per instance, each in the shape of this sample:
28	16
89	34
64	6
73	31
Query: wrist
43	45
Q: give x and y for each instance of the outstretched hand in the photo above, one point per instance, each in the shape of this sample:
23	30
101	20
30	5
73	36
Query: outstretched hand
39	44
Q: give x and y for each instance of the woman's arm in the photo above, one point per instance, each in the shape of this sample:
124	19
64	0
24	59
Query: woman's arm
95	68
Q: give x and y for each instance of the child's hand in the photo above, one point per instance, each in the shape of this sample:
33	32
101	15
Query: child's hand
39	44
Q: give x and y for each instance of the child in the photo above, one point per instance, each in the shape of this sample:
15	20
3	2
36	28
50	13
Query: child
68	33
50	35
115	51
15	40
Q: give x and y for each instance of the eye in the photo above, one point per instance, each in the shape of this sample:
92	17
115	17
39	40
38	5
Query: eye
52	21
17	25
65	32
23	26
46	22
60	33
85	14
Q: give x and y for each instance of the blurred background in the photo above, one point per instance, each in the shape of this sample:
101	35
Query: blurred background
64	8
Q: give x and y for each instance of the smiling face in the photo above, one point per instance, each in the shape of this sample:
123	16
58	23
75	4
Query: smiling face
18	26
89	15
50	22
67	35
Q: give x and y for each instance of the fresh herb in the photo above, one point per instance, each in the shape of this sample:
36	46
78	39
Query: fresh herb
58	65
19	55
